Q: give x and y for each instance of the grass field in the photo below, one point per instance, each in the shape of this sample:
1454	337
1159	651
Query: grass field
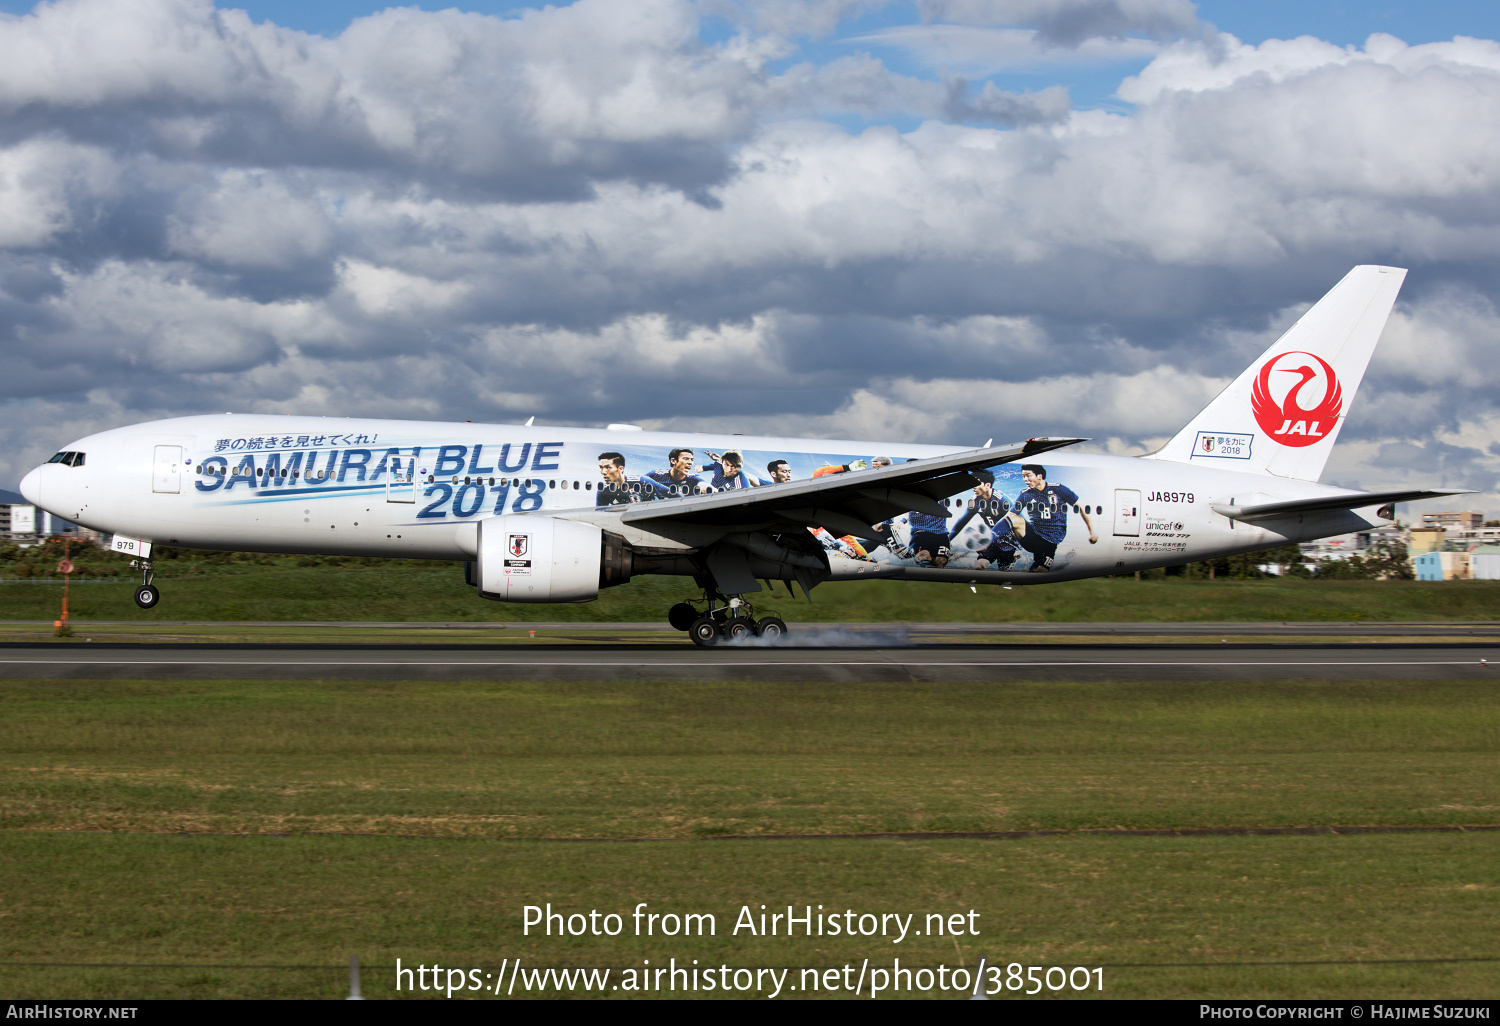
284	592
139	823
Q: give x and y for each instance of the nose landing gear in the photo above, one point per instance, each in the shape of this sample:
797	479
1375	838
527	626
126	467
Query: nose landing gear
146	595
728	618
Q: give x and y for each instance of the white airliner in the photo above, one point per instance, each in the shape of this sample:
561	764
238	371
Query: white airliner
546	514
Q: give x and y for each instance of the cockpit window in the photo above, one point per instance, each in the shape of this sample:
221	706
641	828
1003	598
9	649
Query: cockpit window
77	459
62	457
68	459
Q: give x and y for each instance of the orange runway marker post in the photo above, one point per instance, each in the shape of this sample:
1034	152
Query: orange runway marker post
66	569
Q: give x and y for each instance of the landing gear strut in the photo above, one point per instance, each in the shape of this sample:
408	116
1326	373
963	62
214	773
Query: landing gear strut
146	595
728	618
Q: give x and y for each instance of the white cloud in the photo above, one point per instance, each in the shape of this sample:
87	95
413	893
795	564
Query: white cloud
388	292
964	49
40	180
252	220
1071	22
1224	61
790	18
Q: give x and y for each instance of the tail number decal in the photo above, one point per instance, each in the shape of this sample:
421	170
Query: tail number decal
1284	388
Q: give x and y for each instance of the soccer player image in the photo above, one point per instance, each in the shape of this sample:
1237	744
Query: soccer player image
780	471
1046	507
929	538
729	471
677	478
616	489
848	546
844	468
1004	524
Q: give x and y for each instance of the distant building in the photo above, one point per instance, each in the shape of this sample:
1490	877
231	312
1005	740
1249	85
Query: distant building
1485	563
1427	539
1345	545
18	518
1466	520
1443	566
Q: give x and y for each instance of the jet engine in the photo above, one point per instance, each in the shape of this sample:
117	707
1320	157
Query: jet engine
546	559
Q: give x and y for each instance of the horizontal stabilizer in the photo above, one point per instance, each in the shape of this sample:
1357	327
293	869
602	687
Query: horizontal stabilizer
1327	503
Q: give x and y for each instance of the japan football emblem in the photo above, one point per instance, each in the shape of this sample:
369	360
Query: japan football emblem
1208	443
518	544
1297	399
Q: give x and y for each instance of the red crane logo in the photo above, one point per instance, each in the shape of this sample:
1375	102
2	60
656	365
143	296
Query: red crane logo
1290	421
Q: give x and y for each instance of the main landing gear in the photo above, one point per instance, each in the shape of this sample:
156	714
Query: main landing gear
147	594
726	619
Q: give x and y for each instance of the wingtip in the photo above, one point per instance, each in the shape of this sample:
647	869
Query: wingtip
1046	444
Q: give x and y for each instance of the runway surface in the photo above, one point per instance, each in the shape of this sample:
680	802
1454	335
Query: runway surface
683	662
1488	629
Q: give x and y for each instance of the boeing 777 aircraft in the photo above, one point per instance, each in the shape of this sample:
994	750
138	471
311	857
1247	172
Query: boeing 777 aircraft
545	514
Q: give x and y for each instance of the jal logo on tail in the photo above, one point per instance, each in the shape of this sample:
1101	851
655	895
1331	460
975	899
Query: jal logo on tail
1297	399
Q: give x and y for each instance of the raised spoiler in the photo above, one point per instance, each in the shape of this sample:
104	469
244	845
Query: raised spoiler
845	503
1329	503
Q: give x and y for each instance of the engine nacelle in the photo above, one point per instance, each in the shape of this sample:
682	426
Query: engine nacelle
545	559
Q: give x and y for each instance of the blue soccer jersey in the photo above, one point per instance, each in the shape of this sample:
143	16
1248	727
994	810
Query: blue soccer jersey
1047	510
927	523
662	480
1002	532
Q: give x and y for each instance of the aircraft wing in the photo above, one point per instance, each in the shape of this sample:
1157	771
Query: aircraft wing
846	503
1328	503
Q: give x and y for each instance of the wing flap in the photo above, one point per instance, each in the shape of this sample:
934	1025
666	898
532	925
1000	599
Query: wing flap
900	500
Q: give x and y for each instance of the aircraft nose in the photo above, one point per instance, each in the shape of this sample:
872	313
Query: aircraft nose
31	487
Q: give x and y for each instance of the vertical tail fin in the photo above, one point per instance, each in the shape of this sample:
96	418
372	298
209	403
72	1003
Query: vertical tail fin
1283	414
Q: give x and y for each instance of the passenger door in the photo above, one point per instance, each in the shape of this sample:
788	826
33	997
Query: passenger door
166	476
401	479
1127	513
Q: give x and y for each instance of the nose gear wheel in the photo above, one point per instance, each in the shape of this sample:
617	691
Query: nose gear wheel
147	595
